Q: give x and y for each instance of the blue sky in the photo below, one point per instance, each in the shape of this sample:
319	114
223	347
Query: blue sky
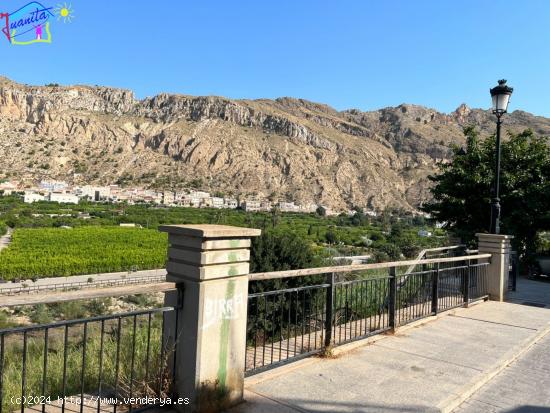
349	54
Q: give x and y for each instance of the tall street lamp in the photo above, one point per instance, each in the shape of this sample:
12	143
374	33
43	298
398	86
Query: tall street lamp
501	97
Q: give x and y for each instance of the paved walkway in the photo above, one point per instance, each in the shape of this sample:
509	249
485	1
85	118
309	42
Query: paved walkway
530	292
524	386
428	368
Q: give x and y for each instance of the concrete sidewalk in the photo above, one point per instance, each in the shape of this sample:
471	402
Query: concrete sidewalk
427	368
524	386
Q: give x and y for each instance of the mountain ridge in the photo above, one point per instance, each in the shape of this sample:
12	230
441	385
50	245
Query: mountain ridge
285	148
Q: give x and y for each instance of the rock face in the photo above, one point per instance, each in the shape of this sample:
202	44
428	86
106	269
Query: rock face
285	148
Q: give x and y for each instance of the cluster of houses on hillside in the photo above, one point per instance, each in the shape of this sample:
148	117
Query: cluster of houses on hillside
61	192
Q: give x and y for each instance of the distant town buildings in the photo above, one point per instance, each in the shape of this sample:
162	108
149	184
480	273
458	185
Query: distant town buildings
63	197
61	192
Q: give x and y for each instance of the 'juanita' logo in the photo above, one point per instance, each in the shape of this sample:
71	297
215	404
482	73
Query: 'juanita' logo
31	23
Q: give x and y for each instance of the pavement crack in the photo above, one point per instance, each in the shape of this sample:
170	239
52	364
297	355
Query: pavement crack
493	322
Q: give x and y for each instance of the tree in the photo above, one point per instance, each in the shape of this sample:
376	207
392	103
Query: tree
275	216
463	189
274	251
331	236
321	211
277	252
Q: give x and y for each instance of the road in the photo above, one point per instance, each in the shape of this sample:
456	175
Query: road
57	296
88	279
6	239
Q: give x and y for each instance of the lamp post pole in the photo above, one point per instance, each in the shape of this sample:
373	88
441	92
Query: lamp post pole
495	202
501	97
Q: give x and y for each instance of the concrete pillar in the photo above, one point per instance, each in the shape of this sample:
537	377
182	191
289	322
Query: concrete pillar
499	246
210	266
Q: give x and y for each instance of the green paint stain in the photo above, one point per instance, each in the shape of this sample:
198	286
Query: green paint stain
233	271
234	243
232	257
224	338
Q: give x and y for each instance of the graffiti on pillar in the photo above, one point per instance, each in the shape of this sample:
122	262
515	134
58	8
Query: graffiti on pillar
219	309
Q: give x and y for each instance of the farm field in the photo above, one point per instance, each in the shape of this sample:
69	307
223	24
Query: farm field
55	240
56	252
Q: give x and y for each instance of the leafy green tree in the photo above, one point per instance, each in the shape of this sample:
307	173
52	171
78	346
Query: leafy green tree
321	211
277	252
331	236
463	189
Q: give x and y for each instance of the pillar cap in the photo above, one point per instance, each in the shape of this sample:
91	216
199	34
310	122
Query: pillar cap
494	236
210	231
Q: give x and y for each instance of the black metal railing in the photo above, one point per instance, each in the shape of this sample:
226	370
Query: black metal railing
291	323
121	361
513	272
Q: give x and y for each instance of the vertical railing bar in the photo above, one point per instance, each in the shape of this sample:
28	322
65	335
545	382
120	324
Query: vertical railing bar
65	345
366	314
44	368
83	367
392	298
339	298
117	359
148	348
467	283
288	327
1	371
264	330
132	359
24	372
303	320
255	331
100	368
161	354
176	330
365	306
281	326
296	323
349	304
307	315
329	307
273	315
318	331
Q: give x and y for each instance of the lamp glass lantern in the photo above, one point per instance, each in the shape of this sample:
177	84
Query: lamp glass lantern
501	97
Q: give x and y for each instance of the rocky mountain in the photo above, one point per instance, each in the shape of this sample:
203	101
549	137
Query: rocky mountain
284	148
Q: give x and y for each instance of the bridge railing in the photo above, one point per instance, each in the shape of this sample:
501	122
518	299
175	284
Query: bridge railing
249	322
105	363
316	308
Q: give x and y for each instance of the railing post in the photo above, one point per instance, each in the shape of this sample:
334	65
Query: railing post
467	284
393	298
329	310
435	290
209	264
498	271
515	269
